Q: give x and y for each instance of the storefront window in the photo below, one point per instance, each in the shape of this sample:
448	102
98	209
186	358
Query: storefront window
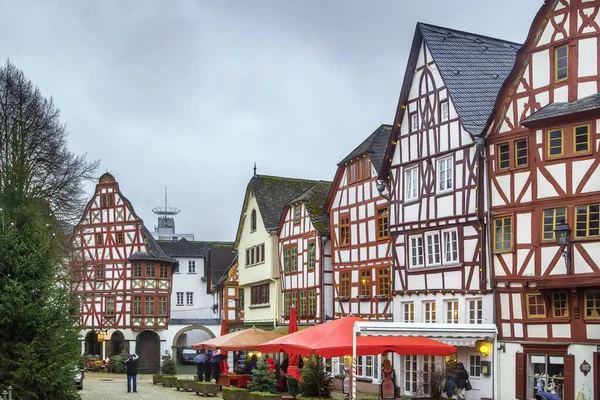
545	373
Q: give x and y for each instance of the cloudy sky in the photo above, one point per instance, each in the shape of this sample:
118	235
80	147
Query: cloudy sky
190	93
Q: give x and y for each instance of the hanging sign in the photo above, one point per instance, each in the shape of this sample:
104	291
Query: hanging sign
585	367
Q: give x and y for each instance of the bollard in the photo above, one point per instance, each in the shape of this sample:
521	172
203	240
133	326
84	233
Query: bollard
10	393
5	395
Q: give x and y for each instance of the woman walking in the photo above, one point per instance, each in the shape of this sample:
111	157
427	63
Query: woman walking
462	381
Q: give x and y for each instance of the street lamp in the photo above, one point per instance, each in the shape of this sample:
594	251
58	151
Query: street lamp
563	239
380	187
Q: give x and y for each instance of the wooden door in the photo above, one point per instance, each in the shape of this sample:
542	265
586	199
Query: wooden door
148	347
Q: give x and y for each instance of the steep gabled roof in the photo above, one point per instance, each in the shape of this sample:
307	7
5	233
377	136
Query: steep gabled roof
153	250
374	146
314	201
562	109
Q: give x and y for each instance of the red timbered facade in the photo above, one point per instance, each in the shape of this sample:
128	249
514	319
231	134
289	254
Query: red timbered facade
360	244
230	298
543	145
305	257
124	279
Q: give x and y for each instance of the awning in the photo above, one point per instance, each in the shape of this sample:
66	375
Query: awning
248	339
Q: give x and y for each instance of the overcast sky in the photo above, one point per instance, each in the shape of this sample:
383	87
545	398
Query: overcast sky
189	94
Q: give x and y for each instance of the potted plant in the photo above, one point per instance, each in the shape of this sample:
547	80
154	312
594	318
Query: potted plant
316	379
184	384
167	369
234	393
263	385
206	388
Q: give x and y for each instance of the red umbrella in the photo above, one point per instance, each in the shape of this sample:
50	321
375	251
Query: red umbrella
293	359
334	339
224	364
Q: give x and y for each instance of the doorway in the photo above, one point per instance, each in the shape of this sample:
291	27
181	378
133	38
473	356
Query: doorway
92	345
148	347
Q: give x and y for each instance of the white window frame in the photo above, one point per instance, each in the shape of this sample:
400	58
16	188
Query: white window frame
451	310
428	237
372	362
414	122
179	298
411	183
474	367
191	266
445	169
475	305
431	312
408	309
446	117
453	236
420	254
189	298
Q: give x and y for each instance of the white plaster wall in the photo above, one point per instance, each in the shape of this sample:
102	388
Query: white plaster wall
440	300
184	281
506	370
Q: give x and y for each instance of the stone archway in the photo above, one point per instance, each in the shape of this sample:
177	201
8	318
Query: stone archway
148	349
184	339
117	343
92	345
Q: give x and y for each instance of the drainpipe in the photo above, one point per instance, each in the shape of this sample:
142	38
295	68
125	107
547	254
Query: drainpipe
323	242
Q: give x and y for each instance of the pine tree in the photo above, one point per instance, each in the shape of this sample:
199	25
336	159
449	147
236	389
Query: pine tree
316	380
262	378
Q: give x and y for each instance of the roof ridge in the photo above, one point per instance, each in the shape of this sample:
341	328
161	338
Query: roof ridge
368	139
285	177
426	25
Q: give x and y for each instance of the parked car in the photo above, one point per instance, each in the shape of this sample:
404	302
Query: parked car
187	356
78	379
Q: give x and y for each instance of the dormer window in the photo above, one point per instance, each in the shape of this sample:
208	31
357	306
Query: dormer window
561	63
253	221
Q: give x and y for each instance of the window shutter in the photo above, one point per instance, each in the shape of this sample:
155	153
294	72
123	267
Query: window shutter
520	377
569	388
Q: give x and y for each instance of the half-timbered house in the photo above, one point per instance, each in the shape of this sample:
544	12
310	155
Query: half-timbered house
432	177
257	245
360	244
230	297
305	257
542	145
123	280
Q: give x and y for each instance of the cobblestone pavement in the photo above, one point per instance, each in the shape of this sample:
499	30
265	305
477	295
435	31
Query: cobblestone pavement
101	386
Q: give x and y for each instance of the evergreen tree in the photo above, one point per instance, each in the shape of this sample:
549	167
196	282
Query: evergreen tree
316	380
262	378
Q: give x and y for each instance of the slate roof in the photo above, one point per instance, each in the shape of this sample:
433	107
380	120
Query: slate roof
224	276
221	257
374	146
473	67
273	193
188	248
314	200
553	110
154	251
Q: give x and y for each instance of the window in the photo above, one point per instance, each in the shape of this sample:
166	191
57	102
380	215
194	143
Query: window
294	266
99	239
475	311
408	312
137	306
536	308
588	221
137	270
344	230
561	63
107	200
255	255
450	246
179	298
592	304
560	304
150	271
539	368
294	299
414	122
416	251
503	156
297	209
286	304
382	224
444	114
581	139
552	218
253	221
260	294
521	153
344	284
433	248
502	234
109	306
191	267
303	302
149	306
311	255
164	271
430	314
119	237
445	174
189	298
287	252
312	305
241	299
383	282
452	311
365	168
100	275
411	177
352	173
474	366
555	143
365	282
410	374
176	268
162	305
428	368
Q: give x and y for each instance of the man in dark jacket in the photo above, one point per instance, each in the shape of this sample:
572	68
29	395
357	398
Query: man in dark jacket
462	377
131	369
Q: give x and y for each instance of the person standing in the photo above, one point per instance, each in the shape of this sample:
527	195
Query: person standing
462	381
131	369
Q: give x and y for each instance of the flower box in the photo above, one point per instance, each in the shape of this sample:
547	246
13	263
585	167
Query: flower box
264	396
233	393
157	378
169	380
184	384
206	388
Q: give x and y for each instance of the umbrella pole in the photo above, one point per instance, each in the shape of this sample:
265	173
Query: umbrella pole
353	369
